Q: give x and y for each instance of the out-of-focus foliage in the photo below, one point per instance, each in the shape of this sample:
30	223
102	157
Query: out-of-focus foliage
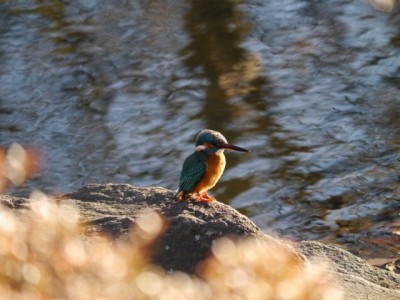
16	165
384	5
45	255
251	269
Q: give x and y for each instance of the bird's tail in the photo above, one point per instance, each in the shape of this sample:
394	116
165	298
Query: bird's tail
180	195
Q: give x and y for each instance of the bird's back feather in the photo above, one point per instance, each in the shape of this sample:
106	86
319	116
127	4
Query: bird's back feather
193	170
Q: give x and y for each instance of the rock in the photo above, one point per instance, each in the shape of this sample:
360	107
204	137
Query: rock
193	226
358	279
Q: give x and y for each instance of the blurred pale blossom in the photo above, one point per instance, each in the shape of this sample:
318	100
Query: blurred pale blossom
383	5
17	164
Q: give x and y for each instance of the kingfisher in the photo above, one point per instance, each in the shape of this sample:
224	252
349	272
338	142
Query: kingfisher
203	168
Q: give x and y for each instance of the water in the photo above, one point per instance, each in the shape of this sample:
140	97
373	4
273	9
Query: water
116	92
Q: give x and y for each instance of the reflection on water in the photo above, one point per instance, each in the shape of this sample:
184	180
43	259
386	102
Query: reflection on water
116	92
217	30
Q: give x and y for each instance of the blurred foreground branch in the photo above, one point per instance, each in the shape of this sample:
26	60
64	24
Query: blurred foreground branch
45	255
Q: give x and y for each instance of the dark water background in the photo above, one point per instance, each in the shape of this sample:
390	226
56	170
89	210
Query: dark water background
116	91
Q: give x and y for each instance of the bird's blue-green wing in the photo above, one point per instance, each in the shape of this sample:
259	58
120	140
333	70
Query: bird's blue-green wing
193	170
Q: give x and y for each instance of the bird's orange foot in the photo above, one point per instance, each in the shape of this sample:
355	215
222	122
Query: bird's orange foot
205	198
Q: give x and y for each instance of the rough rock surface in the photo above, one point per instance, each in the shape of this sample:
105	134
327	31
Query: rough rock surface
193	226
359	279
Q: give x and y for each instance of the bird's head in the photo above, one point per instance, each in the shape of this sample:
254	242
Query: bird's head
208	138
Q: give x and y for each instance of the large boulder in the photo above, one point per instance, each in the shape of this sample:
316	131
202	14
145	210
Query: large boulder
192	227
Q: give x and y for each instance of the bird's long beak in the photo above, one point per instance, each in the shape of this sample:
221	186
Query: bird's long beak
232	147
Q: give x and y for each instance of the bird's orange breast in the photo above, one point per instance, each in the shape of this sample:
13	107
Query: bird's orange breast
215	168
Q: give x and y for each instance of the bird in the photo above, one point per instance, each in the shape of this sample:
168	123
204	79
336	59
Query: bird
203	168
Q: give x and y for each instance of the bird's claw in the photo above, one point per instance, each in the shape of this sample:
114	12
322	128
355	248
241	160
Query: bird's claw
197	197
204	198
